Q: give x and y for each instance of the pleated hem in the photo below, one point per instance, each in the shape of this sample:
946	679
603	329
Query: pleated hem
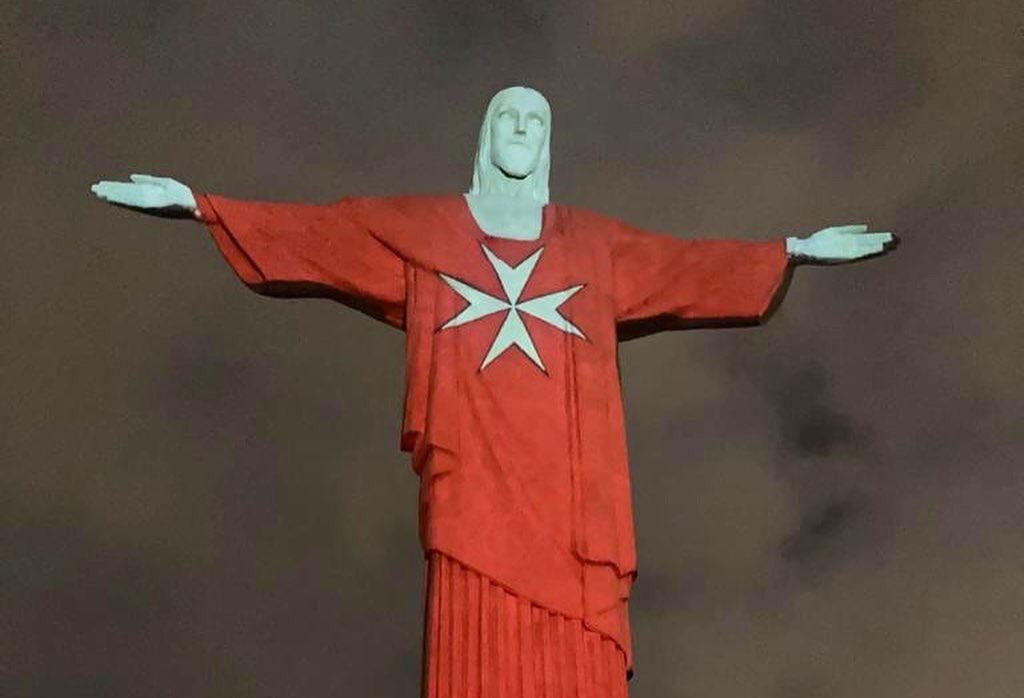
483	641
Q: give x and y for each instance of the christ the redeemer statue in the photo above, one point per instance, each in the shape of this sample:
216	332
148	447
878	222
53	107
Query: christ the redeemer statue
512	309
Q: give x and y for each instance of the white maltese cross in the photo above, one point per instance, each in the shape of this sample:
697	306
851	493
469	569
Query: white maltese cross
513	331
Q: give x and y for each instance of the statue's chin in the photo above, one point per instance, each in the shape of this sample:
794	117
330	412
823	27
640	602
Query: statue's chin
517	173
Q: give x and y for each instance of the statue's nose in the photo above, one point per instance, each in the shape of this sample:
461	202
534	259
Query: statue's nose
520	124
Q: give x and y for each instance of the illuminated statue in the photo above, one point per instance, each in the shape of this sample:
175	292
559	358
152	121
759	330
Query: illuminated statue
512	308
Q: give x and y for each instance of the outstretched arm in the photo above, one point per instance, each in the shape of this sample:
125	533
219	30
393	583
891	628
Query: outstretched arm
285	249
666	283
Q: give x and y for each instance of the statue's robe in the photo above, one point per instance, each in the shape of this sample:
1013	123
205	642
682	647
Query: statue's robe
521	453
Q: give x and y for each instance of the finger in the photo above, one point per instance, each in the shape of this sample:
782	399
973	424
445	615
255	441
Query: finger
869	249
115	191
146	179
851	229
102	189
873	238
103	184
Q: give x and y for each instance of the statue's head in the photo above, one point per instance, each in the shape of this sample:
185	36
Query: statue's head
514	154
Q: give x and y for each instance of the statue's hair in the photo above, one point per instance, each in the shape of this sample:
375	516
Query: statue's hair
486	175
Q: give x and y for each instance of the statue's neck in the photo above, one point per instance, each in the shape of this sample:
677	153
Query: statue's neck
505	216
507	187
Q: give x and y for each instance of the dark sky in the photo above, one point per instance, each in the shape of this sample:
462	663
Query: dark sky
202	488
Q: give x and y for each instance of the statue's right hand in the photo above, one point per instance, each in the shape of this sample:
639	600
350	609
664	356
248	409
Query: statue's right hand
159	196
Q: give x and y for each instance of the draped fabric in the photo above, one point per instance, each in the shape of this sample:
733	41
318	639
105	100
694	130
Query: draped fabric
513	411
483	641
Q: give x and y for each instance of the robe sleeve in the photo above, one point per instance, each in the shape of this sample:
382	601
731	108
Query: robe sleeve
666	283
327	251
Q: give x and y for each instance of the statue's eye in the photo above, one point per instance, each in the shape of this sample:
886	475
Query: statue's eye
534	119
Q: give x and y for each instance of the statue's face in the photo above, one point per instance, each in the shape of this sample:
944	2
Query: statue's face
519	127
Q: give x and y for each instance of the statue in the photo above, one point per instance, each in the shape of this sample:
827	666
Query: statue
512	309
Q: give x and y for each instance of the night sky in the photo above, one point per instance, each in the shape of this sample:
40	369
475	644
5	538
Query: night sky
202	492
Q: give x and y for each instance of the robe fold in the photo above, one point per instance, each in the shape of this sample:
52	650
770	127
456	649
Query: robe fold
512	413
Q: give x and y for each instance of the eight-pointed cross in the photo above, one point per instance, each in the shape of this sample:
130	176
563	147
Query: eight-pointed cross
513	331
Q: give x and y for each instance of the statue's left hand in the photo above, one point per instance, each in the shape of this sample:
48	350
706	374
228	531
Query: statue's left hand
840	244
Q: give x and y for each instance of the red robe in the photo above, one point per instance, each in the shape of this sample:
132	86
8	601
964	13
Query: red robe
513	413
